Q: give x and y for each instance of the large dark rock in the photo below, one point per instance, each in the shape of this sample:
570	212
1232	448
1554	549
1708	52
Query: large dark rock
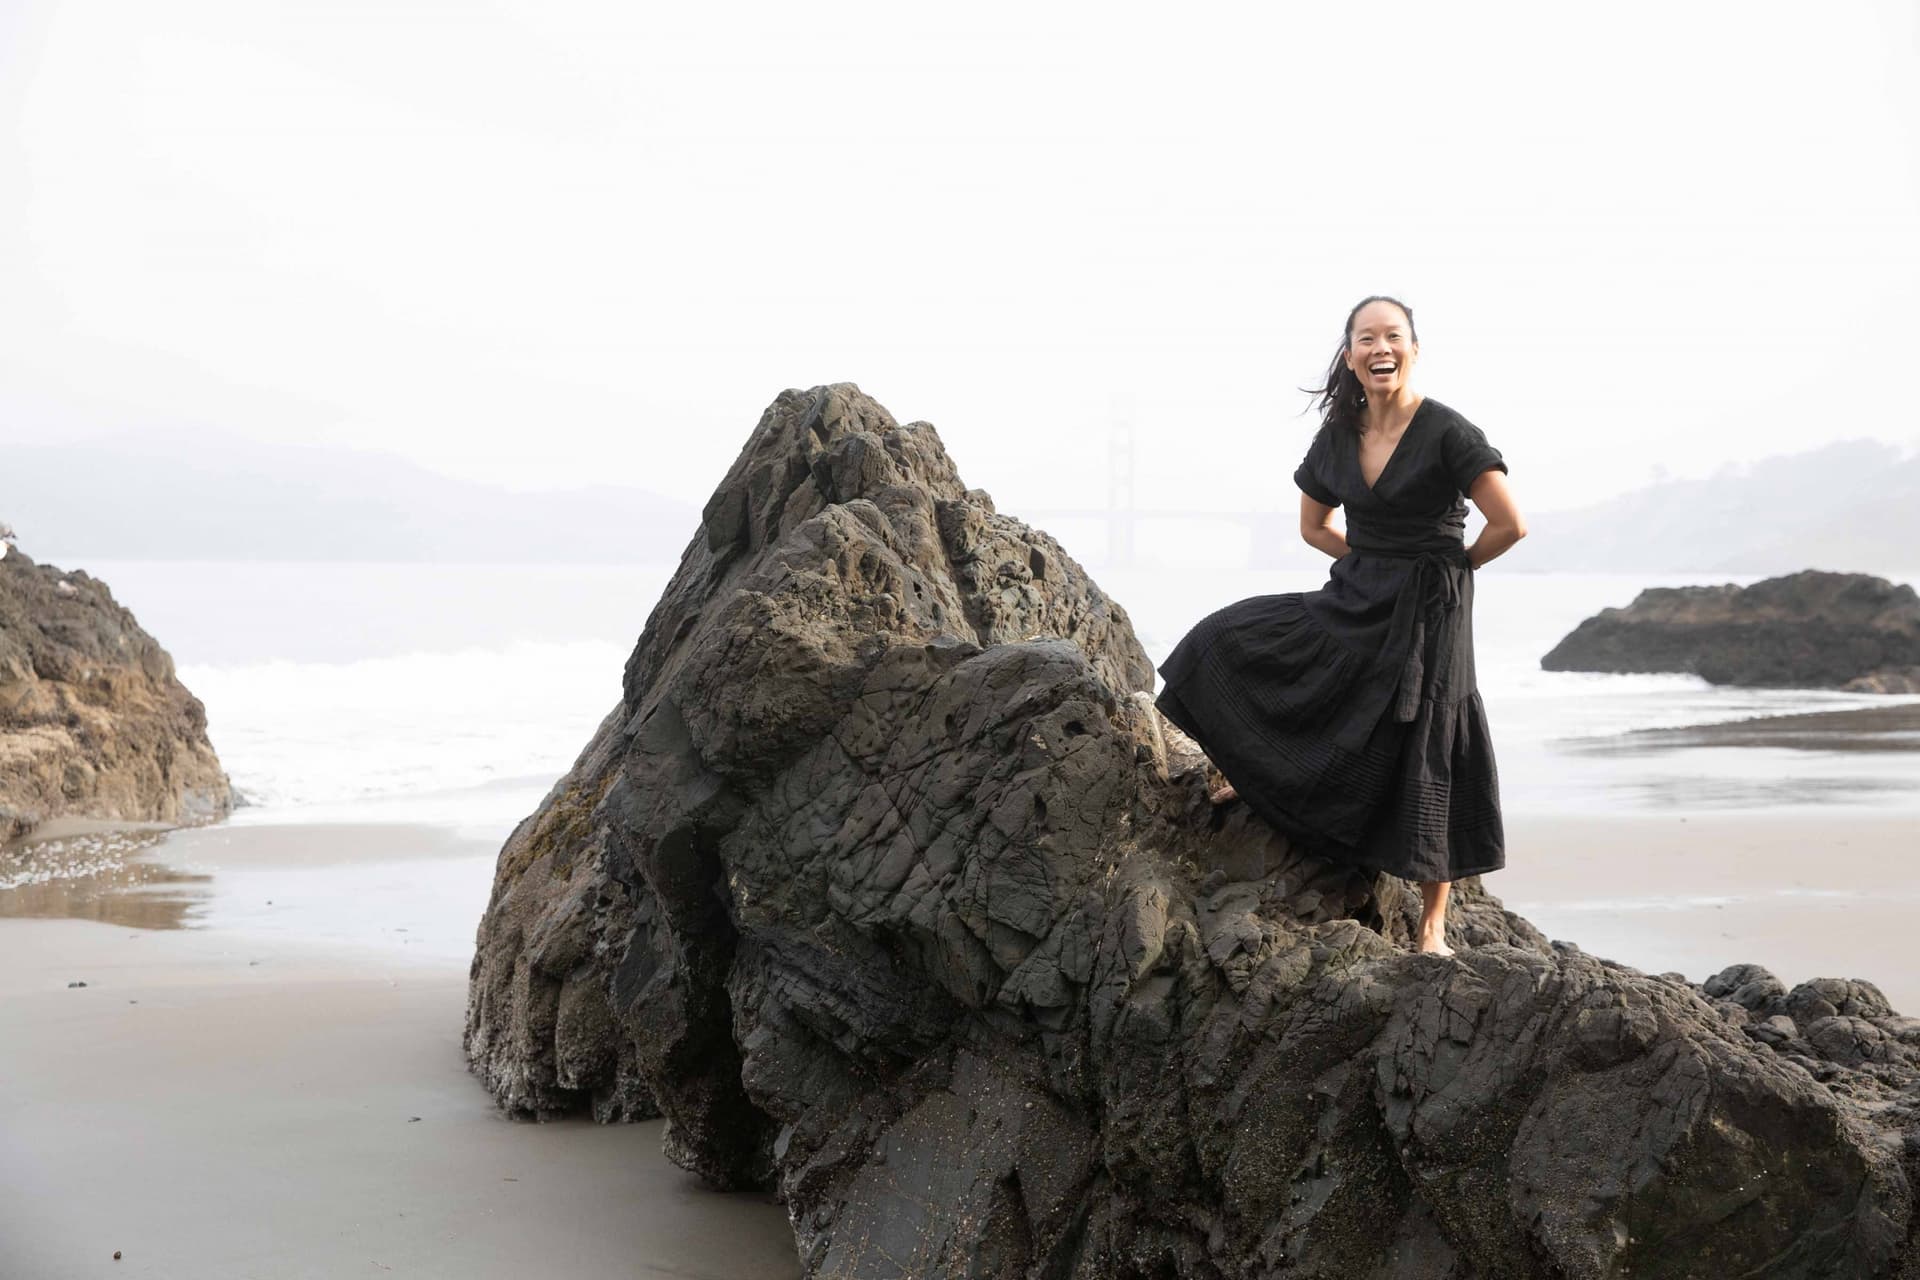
1806	630
886	885
93	721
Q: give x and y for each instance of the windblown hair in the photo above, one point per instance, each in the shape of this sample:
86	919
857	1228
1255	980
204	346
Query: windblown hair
1342	397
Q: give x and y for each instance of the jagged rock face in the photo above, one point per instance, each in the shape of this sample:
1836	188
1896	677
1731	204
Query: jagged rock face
93	721
885	884
1806	630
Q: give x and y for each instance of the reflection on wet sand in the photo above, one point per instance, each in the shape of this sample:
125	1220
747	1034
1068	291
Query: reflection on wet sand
1688	792
104	876
1895	728
1820	759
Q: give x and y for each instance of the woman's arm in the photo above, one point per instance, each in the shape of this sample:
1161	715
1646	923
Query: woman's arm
1316	526
1504	525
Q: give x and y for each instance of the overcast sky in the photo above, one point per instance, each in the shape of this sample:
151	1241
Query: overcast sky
549	243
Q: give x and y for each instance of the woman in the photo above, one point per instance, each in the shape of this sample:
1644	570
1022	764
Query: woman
1348	717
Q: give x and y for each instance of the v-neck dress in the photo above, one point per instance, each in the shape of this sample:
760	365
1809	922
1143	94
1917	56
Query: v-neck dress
1349	717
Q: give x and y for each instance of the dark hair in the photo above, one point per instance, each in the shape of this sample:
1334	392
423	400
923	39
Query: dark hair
1342	397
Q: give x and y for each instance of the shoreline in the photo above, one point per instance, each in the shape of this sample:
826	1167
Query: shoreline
67	826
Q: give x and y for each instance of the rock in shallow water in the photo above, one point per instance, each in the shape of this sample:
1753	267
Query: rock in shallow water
884	883
1804	630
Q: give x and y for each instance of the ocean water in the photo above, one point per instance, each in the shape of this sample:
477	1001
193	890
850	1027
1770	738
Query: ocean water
456	695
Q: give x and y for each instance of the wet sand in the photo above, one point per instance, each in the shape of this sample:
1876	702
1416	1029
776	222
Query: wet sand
411	893
215	1108
1848	760
1895	728
1807	894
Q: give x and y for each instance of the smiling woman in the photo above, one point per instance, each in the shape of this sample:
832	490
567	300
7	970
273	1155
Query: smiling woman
1350	717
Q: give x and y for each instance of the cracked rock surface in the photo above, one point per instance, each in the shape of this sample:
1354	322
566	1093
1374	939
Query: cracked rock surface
885	884
93	721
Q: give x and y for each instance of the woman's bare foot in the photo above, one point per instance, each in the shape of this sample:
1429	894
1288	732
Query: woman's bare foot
1432	930
1224	794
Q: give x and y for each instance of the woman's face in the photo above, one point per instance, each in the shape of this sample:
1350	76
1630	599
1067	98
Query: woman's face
1381	350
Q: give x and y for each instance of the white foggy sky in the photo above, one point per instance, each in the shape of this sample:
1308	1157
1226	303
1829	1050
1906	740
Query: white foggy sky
554	243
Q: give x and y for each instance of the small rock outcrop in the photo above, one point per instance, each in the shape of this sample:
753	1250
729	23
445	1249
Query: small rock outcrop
93	721
1890	680
1805	630
886	885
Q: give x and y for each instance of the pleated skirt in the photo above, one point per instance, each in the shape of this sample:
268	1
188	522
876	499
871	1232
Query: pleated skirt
1284	694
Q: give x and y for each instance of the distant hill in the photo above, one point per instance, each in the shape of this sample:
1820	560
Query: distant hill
1851	506
171	498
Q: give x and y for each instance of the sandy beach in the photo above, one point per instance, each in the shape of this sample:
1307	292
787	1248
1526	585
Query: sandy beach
233	1102
1807	894
263	1075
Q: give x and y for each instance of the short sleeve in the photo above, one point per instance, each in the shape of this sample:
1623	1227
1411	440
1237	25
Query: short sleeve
1310	475
1467	454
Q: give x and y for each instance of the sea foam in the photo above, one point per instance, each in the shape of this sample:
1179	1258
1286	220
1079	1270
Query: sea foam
316	736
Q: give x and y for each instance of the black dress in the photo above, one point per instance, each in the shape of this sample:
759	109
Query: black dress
1349	717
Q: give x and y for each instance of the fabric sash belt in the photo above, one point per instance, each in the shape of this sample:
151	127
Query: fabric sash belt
1429	592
